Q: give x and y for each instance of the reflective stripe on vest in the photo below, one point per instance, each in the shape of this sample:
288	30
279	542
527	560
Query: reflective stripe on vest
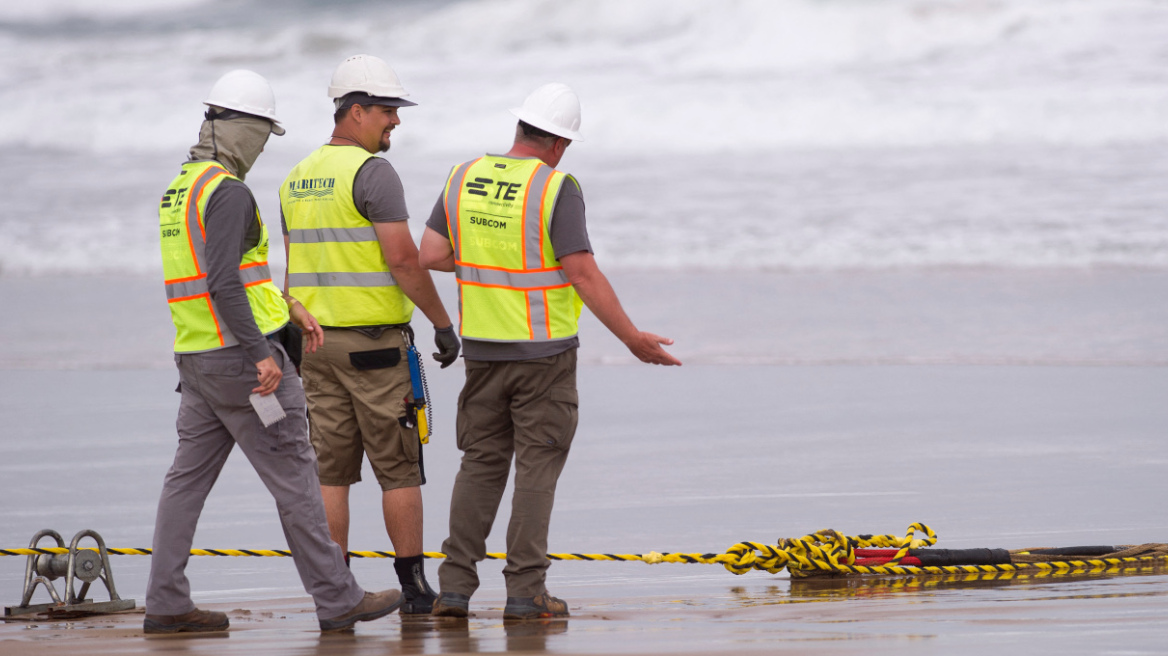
323	235
195	315
511	279
373	279
249	275
335	263
511	287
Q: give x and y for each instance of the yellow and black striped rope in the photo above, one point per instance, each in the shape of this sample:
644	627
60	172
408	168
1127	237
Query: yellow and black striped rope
825	552
1066	566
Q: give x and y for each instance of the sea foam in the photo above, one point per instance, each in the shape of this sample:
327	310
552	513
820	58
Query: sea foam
683	75
776	134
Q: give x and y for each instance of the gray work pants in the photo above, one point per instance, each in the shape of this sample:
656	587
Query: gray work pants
213	417
528	409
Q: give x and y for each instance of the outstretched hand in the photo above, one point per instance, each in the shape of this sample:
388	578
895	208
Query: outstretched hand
647	348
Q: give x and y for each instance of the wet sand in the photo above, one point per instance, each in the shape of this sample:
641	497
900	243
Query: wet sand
1004	409
950	615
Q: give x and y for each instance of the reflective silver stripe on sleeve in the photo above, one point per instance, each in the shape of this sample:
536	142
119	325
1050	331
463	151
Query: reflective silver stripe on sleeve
371	279
539	328
452	192
331	235
515	280
533	217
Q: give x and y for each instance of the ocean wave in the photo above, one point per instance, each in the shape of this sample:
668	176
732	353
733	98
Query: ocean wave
747	134
687	75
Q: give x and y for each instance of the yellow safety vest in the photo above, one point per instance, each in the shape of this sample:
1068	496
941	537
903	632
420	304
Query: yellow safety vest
184	265
335	264
511	287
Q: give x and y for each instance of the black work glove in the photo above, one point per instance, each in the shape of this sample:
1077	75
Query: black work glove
448	346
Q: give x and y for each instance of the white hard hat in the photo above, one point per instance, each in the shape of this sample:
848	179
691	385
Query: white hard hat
248	92
367	74
552	108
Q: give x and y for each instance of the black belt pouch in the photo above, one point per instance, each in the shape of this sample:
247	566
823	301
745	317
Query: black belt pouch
292	340
379	359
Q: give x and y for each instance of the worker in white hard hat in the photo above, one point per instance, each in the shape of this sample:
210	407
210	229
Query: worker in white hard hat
353	264
238	383
511	227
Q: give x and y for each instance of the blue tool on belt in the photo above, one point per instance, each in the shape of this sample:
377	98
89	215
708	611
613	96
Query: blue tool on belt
421	393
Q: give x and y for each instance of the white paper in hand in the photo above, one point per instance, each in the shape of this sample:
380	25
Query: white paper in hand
268	408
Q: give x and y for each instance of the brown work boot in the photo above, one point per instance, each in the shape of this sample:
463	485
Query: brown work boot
530	608
196	621
451	604
373	606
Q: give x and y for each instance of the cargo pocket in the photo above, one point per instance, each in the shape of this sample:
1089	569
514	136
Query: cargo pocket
563	416
411	442
286	436
379	359
464	429
462	425
225	378
220	366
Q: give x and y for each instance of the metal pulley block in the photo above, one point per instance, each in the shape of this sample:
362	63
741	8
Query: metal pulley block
78	563
86	565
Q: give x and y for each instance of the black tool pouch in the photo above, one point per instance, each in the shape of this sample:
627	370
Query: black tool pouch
292	340
379	359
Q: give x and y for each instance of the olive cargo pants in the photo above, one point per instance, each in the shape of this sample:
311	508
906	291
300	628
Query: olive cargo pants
213	417
524	408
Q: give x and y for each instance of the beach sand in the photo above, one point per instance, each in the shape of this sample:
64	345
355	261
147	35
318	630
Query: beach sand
1003	408
953	615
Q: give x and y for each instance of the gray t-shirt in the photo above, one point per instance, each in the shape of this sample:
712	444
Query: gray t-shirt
378	192
232	230
569	234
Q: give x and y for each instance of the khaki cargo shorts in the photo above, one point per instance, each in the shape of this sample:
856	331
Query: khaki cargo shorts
357	389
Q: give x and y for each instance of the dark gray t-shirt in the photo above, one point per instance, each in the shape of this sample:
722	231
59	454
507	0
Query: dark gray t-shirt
232	230
569	234
378	192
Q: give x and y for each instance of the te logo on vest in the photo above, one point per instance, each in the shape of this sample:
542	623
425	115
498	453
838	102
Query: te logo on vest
506	190
173	197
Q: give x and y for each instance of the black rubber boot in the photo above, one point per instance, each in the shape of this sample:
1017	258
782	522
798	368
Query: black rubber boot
419	596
